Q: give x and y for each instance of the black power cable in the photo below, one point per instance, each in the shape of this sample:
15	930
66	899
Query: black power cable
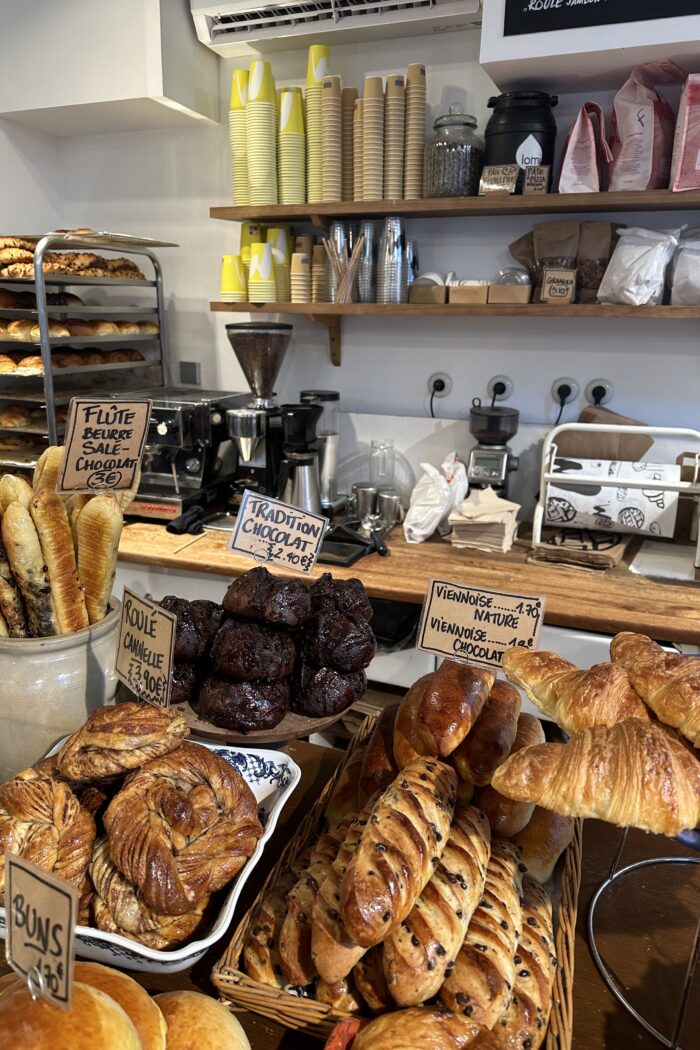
438	387
564	391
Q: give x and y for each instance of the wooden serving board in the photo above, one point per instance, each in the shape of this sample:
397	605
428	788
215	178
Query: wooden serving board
292	727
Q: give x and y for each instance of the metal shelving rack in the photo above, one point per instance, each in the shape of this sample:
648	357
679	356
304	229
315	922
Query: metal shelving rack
25	387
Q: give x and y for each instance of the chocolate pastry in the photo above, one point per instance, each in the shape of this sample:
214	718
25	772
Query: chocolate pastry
249	651
263	598
197	623
183	682
334	640
345	596
321	691
243	706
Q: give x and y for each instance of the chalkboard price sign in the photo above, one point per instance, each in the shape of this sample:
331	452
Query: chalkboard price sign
547	16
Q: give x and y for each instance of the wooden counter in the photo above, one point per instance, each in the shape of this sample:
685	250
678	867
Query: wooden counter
587	600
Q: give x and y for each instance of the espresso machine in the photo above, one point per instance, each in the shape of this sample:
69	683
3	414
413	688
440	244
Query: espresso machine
255	427
491	460
189	459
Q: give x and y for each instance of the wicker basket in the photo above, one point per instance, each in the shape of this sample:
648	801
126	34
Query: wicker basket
318	1019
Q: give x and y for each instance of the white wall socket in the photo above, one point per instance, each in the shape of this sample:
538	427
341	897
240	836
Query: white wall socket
607	396
565	381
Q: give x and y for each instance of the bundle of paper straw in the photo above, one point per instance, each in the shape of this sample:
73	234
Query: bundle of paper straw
344	268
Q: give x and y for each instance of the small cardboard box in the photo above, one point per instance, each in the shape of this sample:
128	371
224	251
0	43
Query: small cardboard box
502	294
427	294
468	293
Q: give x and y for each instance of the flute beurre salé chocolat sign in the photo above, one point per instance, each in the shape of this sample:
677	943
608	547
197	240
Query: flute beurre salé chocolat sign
104	444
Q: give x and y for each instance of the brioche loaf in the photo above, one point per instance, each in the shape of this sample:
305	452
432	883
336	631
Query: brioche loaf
261	953
378	764
506	816
490	741
542	841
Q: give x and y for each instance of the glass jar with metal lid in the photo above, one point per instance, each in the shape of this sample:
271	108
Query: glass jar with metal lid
454	156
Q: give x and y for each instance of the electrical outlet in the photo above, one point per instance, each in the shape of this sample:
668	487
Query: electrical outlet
440	378
500	388
574	390
191	373
599	391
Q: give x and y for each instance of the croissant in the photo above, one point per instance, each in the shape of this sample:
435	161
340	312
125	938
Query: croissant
574	699
421	1029
631	774
182	827
668	682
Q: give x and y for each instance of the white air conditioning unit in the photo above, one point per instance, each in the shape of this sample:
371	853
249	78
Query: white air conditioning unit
238	27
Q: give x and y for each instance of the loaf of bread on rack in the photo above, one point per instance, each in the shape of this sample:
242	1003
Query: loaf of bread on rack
400	849
439	710
490	741
631	774
574	699
128	327
542	842
506	816
56	330
68	360
33	364
425	1029
525	1022
418	953
148	328
83	327
668	682
7	364
53	528
26	560
481	982
20	330
99	531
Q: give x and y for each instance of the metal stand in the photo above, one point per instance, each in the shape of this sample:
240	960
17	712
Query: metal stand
614	876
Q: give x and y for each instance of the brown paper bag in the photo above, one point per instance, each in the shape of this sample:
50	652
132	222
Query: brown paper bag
556	247
630	447
594	250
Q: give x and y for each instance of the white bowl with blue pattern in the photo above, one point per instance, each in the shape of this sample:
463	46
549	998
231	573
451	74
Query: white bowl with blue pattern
272	776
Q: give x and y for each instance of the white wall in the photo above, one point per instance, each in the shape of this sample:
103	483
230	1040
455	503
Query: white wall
163	184
32	183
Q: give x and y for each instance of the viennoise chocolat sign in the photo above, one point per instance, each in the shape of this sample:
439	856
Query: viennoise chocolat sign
41	912
476	625
104	444
145	648
272	532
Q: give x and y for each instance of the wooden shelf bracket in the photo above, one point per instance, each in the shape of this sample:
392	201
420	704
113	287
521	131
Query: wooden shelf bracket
334	326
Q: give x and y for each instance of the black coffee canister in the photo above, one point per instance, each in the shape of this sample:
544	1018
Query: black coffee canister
521	130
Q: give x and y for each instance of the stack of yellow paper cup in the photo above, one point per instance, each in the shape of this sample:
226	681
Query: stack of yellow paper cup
332	139
233	282
301	278
261	130
237	136
394	119
349	97
262	287
373	140
357	149
292	149
250	233
279	240
319	264
318	68
415	131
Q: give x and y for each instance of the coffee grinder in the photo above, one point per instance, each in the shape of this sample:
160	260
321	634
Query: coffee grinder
491	461
256	429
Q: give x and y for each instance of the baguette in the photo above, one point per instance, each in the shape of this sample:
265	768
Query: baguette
439	710
21	542
52	526
47	468
295	936
74	505
420	951
11	600
481	984
99	530
400	850
14	489
421	1029
370	981
526	1019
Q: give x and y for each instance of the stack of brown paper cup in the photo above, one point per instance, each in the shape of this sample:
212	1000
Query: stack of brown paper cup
394	120
304	244
317	69
332	139
357	149
415	131
301	278
261	134
319	288
373	140
348	100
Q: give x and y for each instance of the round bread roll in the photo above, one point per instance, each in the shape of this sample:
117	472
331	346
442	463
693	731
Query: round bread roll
31	364
20	330
7	364
94	1020
127	327
144	1012
148	328
194	1019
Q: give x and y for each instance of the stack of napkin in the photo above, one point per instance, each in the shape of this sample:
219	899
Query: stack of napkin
484	522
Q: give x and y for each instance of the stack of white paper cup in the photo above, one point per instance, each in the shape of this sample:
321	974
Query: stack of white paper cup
261	130
238	137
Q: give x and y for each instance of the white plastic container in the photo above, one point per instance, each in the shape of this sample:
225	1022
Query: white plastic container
48	686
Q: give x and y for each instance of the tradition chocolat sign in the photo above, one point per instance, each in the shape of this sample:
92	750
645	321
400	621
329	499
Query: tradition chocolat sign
475	625
145	648
272	532
41	911
104	444
547	16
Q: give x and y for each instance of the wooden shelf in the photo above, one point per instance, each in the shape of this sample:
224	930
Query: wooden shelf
331	314
453	207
